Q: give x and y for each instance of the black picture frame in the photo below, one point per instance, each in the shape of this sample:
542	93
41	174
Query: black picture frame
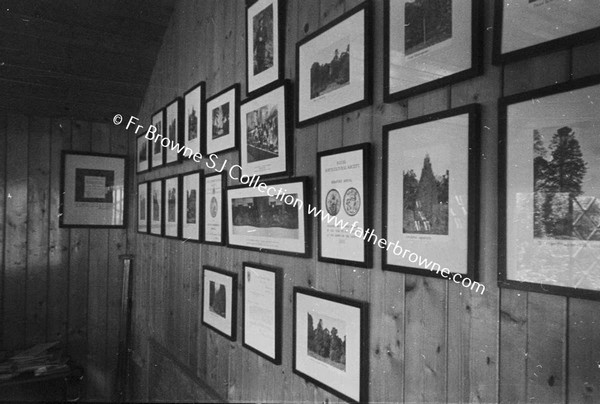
157	152
350	192
344	94
198	200
177	206
229	96
360	361
277	309
195	97
211	317
141	143
159	228
174	110
207	234
143	190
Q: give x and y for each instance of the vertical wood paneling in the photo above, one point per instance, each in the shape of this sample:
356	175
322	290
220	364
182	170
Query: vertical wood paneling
3	138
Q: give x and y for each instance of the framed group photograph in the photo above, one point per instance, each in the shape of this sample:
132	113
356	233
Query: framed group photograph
219	301
273	220
215	210
174	128
143	154
93	190
266	133
429	44
526	28
194	118
172	207
223	120
156	207
143	204
265	32
157	151
333	68
263	308
191	209
549	204
331	343
342	192
431	193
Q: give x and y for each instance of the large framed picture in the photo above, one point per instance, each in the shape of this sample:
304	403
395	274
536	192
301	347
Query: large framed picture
266	133
331	343
525	28
223	120
343	194
263	308
174	128
265	32
429	44
157	151
215	210
172	207
430	194
549	238
195	117
93	190
333	68
143	154
219	301
156	207
270	218
192	223
143	205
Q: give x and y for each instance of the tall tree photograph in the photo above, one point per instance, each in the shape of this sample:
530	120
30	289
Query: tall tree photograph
327	340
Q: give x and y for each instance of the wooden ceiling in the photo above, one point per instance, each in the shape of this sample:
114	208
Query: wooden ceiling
84	59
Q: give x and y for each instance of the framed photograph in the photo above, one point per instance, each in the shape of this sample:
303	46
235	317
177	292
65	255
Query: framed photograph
156	207
430	194
267	133
265	32
223	120
195	117
333	68
219	301
215	210
174	126
143	205
157	151
429	44
172	207
525	28
270	218
93	190
143	154
549	222
331	343
191	198
263	308
343	194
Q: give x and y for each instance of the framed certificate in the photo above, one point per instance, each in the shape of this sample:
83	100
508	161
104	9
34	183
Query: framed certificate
215	210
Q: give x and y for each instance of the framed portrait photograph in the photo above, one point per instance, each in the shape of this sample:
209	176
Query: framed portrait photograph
265	32
215	210
195	116
191	210
172	206
143	154
142	208
174	127
157	151
219	301
156	207
429	44
431	194
263	308
223	120
549	204
331	343
333	68
276	224
93	190
343	193
526	28
266	135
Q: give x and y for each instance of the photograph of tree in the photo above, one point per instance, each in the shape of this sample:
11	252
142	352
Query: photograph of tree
173	130
192	124
157	146
326	340
220	121
217	299
266	213
155	206
190	216
263	133
263	40
427	22
332	69
143	152
142	208
171	205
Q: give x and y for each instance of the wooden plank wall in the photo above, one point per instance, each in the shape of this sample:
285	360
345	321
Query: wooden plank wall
430	340
56	284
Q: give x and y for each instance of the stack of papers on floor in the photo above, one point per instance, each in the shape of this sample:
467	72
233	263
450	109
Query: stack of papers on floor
41	360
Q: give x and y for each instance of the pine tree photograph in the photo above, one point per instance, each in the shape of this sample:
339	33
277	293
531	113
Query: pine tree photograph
326	340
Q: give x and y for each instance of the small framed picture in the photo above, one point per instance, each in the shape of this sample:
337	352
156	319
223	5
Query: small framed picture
222	123
333	68
331	343
172	206
191	206
215	211
195	117
143	204
261	222
266	133
219	301
343	191
526	28
143	154
263	308
549	204
93	190
174	127
158	153
429	44
430	194
265	32
156	207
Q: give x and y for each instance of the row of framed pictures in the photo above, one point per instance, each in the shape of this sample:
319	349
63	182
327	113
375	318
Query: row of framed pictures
330	332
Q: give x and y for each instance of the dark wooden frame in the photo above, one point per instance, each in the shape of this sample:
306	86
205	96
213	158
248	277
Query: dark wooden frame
278	309
162	111
165	207
364	341
368	63
476	57
147	184
202	115
223	208
234	297
200	212
179	135
162	208
236	112
367	200
148	155
474	114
